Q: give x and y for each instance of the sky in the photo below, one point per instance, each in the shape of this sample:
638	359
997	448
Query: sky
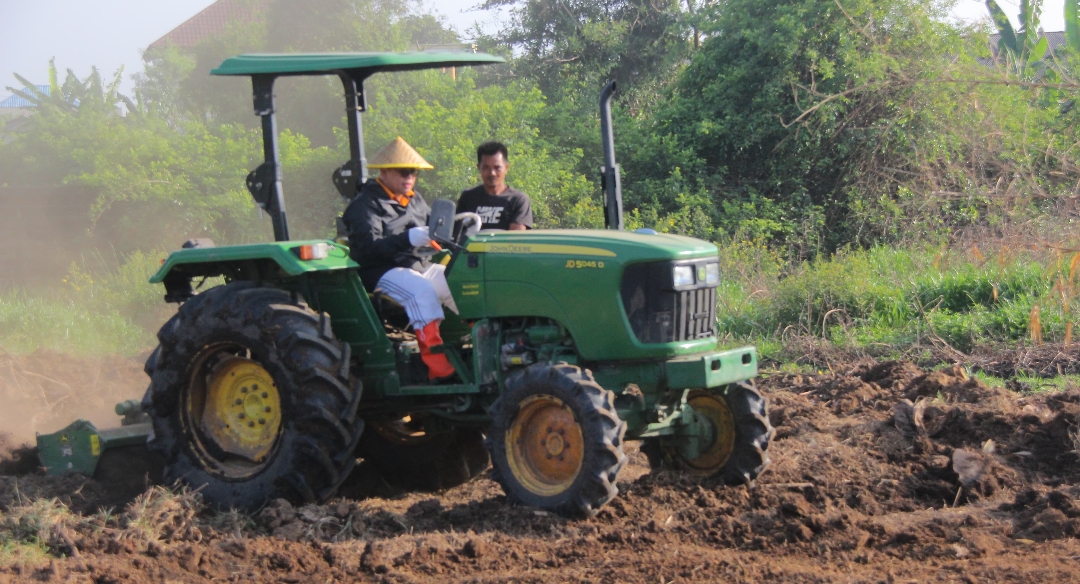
111	33
1053	18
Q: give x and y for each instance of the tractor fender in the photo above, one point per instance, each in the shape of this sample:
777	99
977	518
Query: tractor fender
259	261
283	257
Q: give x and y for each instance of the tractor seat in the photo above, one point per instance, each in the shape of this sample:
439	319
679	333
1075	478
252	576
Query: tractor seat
388	310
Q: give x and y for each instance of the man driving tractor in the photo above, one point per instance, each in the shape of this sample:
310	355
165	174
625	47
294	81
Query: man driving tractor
387	227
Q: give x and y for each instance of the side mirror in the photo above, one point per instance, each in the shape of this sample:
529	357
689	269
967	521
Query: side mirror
441	221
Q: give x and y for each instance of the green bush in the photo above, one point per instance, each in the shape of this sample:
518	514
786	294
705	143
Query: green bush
29	323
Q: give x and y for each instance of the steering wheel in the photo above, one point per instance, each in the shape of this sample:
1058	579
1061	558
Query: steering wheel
470	224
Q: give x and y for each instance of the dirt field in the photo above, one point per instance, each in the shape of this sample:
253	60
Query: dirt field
879	474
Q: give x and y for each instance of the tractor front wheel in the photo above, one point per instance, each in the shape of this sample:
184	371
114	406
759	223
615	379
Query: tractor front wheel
740	432
251	399
556	440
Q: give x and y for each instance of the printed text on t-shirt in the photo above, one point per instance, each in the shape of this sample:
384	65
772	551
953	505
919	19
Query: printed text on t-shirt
489	214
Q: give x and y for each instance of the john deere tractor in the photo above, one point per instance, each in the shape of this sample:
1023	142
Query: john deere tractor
568	343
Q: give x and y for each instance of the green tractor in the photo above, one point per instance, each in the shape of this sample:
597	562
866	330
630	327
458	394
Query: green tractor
568	343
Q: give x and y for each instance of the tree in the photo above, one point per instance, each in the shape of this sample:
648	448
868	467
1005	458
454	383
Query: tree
571	48
311	107
634	42
155	180
785	97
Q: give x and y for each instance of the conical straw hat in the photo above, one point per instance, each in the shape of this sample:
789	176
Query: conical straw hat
398	154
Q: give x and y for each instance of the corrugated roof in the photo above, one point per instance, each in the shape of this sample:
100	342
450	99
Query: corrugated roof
213	20
1054	41
16	101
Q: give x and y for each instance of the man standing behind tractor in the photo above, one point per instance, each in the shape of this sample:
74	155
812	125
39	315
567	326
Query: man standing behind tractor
387	226
499	205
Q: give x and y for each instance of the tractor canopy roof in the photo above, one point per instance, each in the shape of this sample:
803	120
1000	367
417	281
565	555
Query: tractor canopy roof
358	65
264	182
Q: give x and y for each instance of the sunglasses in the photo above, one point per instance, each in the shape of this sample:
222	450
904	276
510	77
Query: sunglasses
406	172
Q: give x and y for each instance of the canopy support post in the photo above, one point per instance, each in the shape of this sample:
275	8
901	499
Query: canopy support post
264	183
610	179
349	176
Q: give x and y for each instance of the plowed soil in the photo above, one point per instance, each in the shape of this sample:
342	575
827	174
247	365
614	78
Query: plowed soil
883	473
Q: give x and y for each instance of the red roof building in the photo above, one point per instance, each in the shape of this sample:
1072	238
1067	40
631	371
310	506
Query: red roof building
212	21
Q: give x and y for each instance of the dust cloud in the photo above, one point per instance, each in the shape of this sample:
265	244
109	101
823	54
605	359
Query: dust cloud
44	391
43	231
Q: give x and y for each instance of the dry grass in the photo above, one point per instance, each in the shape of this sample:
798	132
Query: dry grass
1047	360
30	530
162	516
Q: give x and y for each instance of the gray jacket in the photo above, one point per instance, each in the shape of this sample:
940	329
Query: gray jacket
379	232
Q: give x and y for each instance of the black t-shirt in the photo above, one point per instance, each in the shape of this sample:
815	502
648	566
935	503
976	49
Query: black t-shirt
497	211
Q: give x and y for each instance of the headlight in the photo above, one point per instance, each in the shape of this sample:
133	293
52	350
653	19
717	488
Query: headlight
712	274
683	276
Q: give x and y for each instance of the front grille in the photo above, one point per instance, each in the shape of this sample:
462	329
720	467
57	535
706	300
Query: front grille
695	314
658	313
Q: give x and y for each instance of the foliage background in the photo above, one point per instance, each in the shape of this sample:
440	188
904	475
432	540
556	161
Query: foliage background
832	148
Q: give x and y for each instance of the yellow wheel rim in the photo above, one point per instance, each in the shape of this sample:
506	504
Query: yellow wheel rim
544	446
239	412
716	411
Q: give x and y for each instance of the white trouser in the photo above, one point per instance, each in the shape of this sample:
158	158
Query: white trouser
422	294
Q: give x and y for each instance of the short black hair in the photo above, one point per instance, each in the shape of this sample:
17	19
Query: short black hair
491	149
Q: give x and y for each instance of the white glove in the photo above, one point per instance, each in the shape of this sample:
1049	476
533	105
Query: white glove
418	236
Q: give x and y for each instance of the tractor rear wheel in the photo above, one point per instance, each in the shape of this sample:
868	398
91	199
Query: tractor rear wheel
412	455
556	440
741	431
251	399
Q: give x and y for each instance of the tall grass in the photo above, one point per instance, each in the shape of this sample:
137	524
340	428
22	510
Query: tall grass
103	306
118	283
888	298
28	323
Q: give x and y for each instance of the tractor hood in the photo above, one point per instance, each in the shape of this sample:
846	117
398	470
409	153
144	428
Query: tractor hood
626	246
586	280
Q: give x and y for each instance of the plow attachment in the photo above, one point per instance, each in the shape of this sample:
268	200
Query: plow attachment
82	448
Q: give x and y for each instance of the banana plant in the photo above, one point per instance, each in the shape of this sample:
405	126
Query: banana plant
1072	24
74	94
1023	51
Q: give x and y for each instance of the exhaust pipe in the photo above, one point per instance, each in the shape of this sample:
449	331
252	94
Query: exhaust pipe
609	174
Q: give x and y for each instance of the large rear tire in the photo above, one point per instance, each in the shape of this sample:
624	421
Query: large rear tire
739	452
556	440
412	456
251	399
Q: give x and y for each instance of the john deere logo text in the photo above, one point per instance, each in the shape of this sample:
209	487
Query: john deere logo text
539	248
508	248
